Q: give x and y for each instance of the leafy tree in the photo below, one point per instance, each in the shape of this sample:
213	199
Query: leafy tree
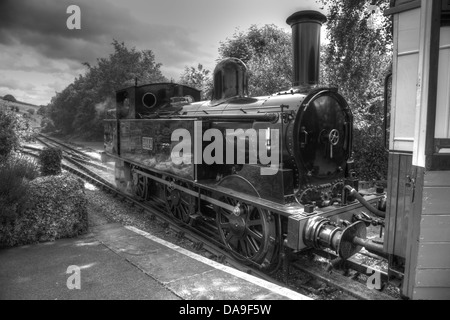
267	52
47	125
8	137
123	67
75	109
13	130
42	111
199	78
9	97
356	59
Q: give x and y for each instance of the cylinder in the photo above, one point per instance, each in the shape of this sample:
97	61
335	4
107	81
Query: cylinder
306	47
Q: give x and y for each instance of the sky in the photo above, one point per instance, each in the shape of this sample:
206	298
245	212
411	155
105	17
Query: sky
40	56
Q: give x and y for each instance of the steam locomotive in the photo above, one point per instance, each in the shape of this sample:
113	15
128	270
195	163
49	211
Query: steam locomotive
306	196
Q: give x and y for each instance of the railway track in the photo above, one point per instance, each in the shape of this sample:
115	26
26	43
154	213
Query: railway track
77	163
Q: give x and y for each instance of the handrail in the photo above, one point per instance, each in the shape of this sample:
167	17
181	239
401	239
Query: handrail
385	128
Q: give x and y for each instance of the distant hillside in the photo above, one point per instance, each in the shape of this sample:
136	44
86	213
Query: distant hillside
19	102
35	119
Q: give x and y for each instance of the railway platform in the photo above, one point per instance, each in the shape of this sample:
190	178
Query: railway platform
117	262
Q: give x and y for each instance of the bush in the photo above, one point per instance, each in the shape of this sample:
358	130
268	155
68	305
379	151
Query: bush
14	176
47	125
57	209
50	161
9	97
9	139
30	111
371	160
42	111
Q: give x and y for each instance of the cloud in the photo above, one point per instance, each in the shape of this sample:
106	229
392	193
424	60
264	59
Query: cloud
34	39
28	59
12	84
42	26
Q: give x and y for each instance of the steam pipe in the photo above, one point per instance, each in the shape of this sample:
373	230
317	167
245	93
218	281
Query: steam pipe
266	117
363	201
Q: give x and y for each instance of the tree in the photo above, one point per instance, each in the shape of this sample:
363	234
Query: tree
74	109
123	67
356	60
13	130
8	136
267	52
42	111
357	57
198	78
9	97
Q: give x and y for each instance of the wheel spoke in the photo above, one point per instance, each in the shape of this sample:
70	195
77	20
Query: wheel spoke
233	241
225	214
185	215
252	245
254	235
252	223
178	202
139	186
225	225
181	210
244	248
230	201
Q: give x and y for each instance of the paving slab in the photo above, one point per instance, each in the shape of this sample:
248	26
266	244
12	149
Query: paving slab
117	262
40	272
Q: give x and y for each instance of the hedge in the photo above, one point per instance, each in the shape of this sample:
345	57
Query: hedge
57	208
50	161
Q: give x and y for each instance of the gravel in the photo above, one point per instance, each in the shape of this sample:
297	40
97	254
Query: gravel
103	208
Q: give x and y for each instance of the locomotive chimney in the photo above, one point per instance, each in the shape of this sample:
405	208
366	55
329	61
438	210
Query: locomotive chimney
306	47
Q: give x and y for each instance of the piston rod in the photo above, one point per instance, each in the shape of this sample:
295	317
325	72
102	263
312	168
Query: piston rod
321	233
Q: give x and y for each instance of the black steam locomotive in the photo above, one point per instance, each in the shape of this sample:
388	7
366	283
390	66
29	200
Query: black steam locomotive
303	197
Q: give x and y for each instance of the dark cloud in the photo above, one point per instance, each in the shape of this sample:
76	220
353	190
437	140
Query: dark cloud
41	25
